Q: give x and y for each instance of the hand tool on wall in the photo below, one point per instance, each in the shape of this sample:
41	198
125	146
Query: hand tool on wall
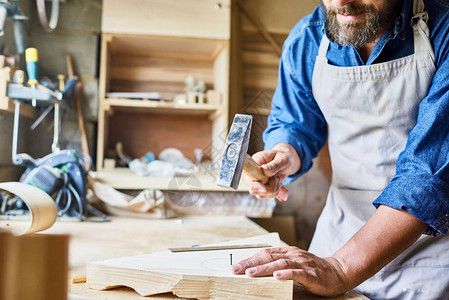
31	58
41	10
235	157
79	111
13	11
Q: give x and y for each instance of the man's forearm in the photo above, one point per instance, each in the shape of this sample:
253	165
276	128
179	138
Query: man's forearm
387	234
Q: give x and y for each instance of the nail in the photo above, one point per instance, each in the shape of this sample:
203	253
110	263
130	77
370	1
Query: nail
236	268
262	190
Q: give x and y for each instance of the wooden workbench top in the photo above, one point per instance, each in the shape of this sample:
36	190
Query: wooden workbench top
121	237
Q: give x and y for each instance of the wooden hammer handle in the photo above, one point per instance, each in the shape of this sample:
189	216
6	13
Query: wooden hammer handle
253	170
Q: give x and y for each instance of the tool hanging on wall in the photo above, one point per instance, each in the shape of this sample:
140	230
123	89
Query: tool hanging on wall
79	111
61	174
13	12
48	25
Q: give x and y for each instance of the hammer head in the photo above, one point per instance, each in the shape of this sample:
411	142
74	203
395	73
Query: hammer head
235	151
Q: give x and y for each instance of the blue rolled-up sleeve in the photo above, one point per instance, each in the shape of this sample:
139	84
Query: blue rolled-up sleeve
421	183
295	117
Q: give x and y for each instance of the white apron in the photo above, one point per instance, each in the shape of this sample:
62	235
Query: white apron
370	111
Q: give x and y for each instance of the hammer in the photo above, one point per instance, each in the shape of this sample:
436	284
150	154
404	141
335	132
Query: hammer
235	157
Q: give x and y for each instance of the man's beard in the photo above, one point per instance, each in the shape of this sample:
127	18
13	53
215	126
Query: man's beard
361	32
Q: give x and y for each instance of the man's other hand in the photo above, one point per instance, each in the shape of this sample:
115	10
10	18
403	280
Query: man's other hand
321	276
277	163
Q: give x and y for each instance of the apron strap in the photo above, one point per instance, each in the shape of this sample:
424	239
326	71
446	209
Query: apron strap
324	46
423	46
418	6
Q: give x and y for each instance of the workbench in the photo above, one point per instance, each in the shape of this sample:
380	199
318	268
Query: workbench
121	237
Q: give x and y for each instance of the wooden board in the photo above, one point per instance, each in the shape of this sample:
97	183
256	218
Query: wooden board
33	266
278	16
194	18
201	275
124	178
91	241
5	74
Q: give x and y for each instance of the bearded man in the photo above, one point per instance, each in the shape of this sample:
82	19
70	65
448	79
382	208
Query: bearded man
371	77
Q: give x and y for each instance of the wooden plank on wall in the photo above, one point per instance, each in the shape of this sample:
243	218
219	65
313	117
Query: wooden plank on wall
5	76
281	15
195	18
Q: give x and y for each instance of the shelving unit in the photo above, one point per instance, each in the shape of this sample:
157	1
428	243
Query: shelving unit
149	48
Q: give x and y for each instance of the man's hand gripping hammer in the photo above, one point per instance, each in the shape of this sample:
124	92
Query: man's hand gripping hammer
235	157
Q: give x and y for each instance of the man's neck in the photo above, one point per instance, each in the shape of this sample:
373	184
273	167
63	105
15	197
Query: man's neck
365	51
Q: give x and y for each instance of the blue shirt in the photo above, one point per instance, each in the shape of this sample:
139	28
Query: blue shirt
421	182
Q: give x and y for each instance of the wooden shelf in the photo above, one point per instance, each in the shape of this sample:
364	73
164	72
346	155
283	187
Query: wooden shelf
125	179
157	60
161	107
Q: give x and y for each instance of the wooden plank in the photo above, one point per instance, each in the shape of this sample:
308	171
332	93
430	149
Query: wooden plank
165	46
5	77
104	83
204	275
167	107
279	16
254	41
194	18
260	58
126	237
260	27
34	266
125	179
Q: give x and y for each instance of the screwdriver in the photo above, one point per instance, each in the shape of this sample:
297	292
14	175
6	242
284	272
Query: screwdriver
31	59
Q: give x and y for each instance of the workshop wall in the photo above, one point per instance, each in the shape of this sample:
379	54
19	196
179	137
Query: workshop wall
77	34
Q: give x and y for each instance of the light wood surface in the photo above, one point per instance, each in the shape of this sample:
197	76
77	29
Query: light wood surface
126	237
194	18
161	107
5	74
123	178
278	16
33	266
205	275
43	211
260	27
